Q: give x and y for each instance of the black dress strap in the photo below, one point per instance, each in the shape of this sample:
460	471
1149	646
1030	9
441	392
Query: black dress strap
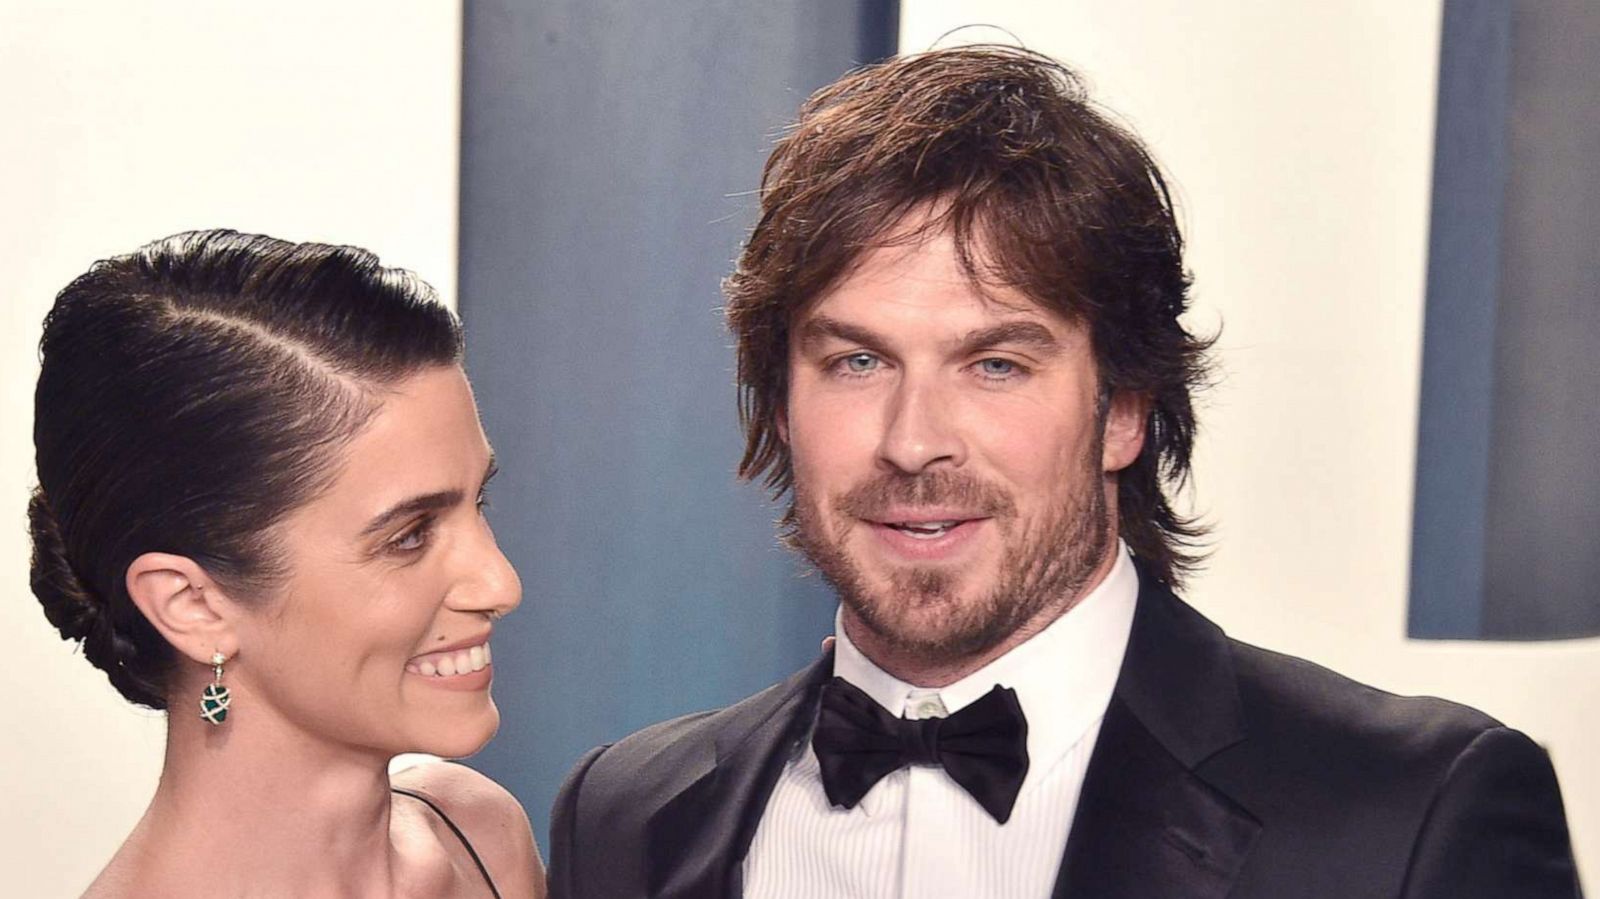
455	830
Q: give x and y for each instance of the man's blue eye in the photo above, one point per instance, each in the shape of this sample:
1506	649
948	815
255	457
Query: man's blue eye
997	368
861	363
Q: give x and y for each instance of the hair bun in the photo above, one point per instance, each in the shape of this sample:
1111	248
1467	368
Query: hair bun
68	602
79	613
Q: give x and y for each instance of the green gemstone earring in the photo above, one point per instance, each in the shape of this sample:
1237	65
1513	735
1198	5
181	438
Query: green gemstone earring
214	698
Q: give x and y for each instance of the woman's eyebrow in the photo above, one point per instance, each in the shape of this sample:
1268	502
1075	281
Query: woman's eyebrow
426	502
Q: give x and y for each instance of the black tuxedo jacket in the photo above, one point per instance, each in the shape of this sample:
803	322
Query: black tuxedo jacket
1222	770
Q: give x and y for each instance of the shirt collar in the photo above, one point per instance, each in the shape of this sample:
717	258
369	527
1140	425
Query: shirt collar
1063	675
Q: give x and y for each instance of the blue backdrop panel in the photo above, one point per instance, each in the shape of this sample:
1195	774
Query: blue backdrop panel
1507	528
610	153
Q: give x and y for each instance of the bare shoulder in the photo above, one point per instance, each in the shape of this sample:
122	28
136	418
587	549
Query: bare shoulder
491	818
107	886
129	872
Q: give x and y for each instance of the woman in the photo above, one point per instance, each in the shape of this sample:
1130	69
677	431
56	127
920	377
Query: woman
261	482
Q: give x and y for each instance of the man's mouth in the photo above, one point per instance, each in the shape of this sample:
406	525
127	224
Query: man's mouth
931	537
924	530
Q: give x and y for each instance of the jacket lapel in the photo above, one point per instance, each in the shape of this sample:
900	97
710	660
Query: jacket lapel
697	838
1147	824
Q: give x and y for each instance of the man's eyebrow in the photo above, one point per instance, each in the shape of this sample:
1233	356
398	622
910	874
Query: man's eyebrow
821	327
426	502
1028	333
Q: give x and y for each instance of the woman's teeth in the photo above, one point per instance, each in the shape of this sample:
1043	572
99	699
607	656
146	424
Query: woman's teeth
449	664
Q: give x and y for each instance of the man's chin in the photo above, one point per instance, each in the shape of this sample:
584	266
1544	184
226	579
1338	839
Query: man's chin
933	629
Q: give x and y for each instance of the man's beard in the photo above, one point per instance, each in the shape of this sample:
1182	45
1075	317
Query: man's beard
920	613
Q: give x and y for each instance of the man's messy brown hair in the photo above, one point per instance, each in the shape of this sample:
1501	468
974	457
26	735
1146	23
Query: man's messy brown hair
1041	193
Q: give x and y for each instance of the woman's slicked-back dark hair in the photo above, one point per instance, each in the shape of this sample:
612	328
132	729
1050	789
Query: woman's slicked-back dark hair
1040	191
191	395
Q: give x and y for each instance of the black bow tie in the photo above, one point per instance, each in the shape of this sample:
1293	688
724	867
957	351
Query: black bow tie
983	747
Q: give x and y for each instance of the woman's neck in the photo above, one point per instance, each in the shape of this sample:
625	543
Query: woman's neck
257	802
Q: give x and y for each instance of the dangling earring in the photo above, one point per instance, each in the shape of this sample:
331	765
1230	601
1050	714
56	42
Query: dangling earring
214	698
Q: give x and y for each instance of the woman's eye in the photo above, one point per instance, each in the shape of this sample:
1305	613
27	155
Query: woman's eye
413	538
997	368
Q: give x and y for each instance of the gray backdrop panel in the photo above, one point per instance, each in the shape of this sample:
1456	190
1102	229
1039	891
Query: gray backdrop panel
1507	539
610	152
1542	560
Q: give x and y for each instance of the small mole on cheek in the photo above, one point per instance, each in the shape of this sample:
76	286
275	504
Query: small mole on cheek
441	639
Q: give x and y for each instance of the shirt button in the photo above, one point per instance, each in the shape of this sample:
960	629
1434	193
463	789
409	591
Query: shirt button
925	706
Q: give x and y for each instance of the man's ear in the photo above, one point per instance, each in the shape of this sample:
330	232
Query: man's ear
1126	416
189	608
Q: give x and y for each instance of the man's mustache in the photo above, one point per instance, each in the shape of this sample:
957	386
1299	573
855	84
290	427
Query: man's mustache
973	497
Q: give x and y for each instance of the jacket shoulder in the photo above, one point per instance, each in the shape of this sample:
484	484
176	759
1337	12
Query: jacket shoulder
1285	698
1339	770
653	764
603	809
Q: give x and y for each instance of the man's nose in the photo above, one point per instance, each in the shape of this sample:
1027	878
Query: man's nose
920	430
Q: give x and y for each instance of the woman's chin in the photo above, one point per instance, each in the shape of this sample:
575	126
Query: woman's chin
468	738
455	737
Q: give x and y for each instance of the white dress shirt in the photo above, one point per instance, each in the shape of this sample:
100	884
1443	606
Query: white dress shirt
917	834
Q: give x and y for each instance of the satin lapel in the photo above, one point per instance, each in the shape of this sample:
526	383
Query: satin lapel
1147	824
697	839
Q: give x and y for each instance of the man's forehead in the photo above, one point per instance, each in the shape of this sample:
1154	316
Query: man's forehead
923	250
879	284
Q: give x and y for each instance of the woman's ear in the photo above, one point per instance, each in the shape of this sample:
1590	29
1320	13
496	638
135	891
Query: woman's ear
189	608
1126	415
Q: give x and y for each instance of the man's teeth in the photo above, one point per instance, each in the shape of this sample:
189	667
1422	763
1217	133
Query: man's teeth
925	530
449	664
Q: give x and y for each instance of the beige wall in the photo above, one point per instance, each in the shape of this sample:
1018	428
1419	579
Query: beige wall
123	122
1300	137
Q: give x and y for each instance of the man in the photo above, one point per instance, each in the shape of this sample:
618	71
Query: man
960	355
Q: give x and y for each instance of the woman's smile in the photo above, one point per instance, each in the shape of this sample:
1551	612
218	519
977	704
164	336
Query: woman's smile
464	665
